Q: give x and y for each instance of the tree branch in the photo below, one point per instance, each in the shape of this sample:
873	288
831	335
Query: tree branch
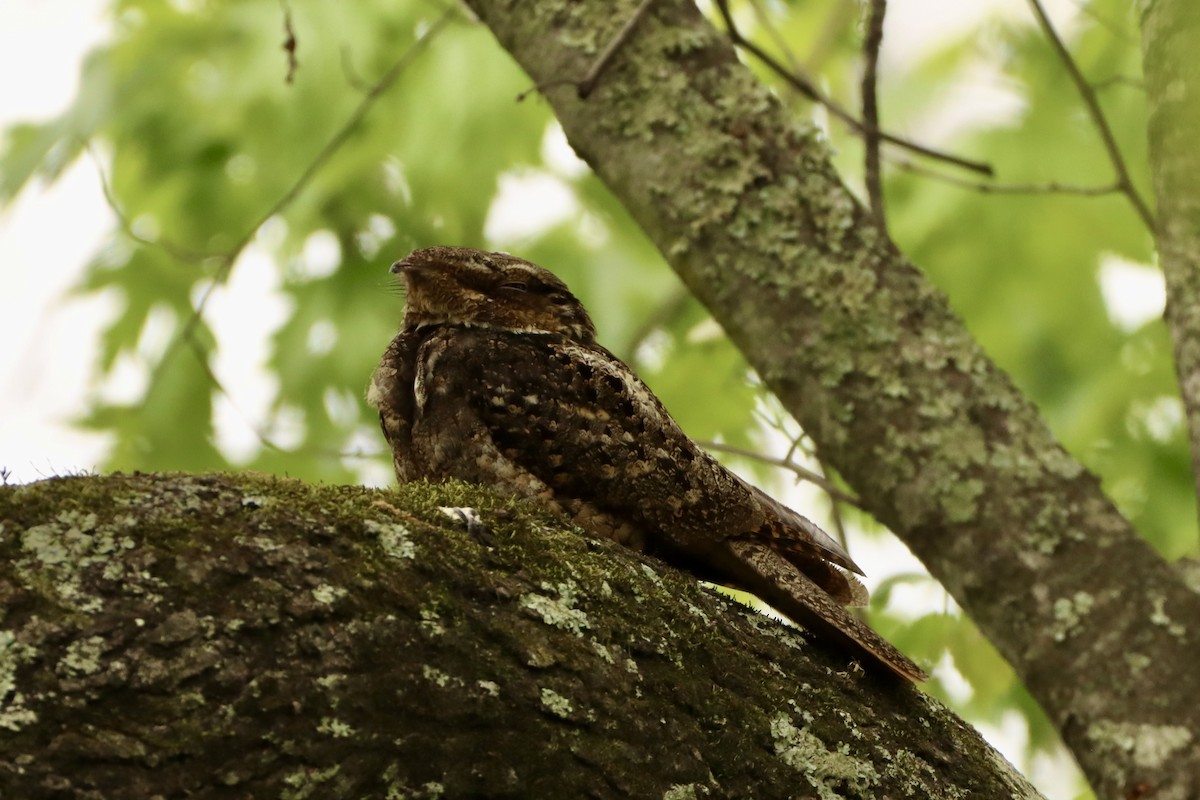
1171	38
257	637
868	356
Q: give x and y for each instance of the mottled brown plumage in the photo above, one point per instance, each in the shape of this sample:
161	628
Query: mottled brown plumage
496	377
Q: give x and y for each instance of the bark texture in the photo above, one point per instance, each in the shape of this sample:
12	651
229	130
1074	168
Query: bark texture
743	201
212	636
1170	38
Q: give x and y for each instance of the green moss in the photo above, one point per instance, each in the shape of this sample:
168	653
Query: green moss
285	635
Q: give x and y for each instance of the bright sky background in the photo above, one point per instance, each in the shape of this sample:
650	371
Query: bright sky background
46	238
48	234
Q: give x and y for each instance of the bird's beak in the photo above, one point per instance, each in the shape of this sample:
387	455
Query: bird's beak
414	262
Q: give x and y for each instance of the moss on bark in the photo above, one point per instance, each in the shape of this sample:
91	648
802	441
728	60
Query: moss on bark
254	637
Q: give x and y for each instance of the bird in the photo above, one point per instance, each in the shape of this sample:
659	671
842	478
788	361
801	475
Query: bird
495	377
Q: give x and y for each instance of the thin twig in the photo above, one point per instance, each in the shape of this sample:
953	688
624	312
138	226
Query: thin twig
1088	94
801	83
265	440
587	84
1051	187
1114	29
1120	80
826	43
870	110
804	473
206	368
779	425
797	444
176	251
835	511
768	25
354	80
775	420
289	42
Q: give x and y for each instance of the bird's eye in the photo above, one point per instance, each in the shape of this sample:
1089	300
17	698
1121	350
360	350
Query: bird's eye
516	286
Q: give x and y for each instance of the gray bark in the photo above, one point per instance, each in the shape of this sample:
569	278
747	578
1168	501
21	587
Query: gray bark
1170	36
744	203
213	636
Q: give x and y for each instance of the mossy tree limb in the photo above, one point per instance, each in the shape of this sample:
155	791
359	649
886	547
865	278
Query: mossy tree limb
743	201
210	636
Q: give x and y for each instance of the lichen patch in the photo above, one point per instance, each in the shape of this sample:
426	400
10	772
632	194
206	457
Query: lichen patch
830	772
557	609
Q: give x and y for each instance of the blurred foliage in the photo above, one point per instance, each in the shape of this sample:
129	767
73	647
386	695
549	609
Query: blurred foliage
189	112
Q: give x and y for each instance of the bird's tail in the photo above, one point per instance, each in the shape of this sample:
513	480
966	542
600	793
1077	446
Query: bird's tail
760	569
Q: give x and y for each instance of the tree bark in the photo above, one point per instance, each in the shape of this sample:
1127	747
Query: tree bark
204	636
1170	36
744	203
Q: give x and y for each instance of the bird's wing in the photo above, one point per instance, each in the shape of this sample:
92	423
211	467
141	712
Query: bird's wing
796	532
390	391
581	421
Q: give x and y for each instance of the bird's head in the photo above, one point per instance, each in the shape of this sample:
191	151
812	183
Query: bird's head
463	286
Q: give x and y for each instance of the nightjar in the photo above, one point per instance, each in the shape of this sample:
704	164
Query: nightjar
495	377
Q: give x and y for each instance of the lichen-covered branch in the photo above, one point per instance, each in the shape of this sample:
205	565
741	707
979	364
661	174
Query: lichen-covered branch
1170	38
204	636
743	201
